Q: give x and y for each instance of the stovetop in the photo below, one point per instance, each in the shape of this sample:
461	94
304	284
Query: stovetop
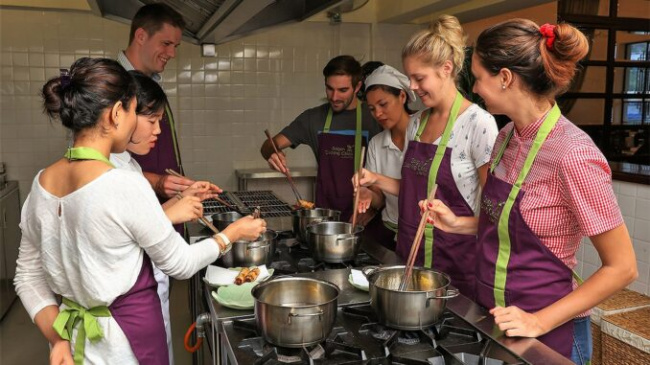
294	257
357	338
246	201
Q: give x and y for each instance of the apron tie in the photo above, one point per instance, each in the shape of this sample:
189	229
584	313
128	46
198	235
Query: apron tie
68	318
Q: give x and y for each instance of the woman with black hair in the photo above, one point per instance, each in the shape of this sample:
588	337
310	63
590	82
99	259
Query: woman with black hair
90	231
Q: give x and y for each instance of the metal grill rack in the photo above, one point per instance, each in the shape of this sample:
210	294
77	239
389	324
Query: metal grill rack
246	201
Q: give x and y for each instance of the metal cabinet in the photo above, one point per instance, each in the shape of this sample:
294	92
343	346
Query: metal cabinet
9	243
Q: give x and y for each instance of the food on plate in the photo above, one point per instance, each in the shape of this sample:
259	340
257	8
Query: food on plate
240	279
304	204
252	275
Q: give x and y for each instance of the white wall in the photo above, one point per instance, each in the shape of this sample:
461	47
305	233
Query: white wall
222	104
634	200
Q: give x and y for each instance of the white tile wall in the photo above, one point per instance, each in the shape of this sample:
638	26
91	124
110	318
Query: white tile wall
634	200
223	104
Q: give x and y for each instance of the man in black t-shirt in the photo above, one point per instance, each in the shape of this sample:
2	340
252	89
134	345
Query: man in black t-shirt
335	131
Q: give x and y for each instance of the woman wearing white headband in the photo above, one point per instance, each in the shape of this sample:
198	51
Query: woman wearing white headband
387	94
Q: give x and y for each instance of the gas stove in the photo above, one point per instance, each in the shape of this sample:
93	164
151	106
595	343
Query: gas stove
293	257
357	338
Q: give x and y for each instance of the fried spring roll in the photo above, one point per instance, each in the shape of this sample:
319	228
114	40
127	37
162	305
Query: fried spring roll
252	275
239	280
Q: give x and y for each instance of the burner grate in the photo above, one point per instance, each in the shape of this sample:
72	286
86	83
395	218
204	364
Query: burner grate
211	206
269	204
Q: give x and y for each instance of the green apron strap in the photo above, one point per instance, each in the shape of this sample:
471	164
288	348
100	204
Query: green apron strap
433	172
424	118
503	256
86	153
357	133
172	125
74	314
497	159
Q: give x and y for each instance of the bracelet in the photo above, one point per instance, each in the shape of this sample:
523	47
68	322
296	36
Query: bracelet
226	241
179	196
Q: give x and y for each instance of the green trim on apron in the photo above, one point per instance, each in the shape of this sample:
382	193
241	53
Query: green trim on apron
503	257
435	166
86	153
357	133
172	125
68	318
390	225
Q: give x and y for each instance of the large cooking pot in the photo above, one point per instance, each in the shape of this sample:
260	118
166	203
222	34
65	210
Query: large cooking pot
334	242
419	306
222	220
251	253
302	218
295	312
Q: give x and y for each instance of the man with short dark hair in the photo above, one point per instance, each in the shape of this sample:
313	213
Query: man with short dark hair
335	131
156	31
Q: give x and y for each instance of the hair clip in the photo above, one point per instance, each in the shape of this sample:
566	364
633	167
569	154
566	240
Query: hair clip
65	77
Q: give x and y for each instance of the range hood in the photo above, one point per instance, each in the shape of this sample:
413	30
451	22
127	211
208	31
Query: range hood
219	21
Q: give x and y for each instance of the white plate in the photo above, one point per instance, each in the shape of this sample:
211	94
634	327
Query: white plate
357	285
217	276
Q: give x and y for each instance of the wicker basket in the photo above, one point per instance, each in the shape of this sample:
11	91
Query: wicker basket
624	301
626	338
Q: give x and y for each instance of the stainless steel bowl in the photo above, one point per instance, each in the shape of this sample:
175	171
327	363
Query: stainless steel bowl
295	312
251	253
303	218
419	306
334	242
222	220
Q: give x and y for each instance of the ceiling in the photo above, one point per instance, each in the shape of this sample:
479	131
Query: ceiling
219	21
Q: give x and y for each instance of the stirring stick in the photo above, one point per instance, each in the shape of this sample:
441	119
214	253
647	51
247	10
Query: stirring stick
355	205
408	269
174	173
287	174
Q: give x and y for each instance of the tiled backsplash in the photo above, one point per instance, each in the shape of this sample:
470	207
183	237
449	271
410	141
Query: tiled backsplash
223	104
634	200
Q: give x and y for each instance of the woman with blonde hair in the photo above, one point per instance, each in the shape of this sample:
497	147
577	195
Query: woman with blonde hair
449	148
548	187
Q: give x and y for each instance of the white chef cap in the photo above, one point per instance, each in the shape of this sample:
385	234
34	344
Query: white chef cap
387	75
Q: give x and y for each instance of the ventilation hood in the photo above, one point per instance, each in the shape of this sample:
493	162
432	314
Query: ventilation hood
219	21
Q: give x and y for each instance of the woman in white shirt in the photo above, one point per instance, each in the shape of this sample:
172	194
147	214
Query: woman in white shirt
90	232
186	206
449	149
387	94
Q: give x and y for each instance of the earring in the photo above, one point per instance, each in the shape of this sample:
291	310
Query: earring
503	86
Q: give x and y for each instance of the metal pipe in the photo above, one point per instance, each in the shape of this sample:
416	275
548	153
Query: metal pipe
201	320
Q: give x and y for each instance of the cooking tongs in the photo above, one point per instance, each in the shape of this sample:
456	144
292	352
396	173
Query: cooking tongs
287	174
408	269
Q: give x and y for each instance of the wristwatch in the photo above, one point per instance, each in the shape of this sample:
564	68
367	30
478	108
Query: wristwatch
226	241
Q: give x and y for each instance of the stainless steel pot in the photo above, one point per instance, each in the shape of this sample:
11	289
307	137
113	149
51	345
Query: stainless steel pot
295	312
302	218
419	306
334	242
222	220
251	253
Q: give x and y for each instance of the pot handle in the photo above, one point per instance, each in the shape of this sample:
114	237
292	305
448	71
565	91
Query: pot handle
346	238
255	247
319	314
368	270
451	293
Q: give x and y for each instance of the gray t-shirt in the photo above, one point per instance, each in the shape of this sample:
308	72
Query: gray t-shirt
308	125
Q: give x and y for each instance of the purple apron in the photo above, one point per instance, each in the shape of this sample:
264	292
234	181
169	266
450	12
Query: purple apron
164	155
138	312
453	254
516	268
338	159
378	231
